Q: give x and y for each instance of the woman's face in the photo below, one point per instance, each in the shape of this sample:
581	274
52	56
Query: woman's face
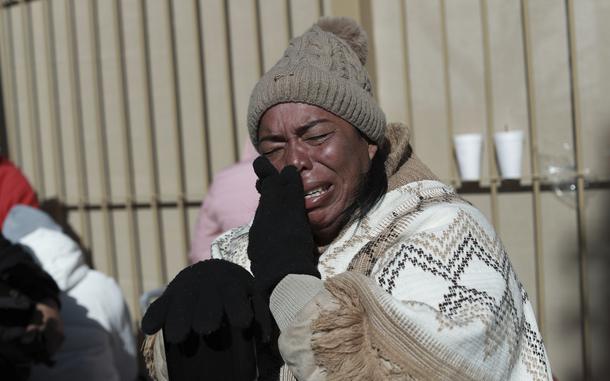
328	152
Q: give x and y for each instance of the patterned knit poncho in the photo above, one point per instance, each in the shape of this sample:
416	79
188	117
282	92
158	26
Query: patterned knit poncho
421	289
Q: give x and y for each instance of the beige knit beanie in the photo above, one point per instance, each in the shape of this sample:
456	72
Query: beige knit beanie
323	67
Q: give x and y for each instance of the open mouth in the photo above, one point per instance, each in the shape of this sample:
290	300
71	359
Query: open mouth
317	192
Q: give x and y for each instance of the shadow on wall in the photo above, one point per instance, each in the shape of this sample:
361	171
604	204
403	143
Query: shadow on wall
598	229
597	225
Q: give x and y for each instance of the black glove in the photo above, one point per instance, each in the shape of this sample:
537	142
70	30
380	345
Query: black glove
201	295
280	239
227	354
17	344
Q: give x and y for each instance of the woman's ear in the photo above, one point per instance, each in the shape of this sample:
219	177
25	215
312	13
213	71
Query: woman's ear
372	150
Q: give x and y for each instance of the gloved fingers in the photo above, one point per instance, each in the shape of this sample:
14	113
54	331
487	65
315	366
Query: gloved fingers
155	315
263	168
208	312
237	305
291	175
180	315
241	276
262	316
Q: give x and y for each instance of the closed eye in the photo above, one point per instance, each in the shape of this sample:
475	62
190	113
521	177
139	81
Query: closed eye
271	151
317	139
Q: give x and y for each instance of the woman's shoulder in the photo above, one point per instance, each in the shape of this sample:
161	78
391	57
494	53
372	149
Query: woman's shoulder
233	246
432	205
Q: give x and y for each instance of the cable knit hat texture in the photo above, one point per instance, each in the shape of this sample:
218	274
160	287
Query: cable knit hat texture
323	67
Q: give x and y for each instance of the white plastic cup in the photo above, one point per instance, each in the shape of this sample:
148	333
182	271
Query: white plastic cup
468	149
509	151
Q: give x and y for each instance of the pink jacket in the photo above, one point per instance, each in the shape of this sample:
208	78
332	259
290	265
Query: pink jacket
230	202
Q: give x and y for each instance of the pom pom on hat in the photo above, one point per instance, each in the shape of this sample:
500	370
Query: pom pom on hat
348	30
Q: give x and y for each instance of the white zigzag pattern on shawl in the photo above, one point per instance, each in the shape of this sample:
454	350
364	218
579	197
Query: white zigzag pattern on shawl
449	257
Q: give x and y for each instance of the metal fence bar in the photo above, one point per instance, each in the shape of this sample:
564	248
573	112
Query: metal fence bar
489	113
149	122
580	188
8	90
406	68
259	37
133	230
53	94
102	145
230	80
289	22
32	98
365	15
507	187
17	154
177	126
77	119
12	77
448	102
535	167
203	110
3	75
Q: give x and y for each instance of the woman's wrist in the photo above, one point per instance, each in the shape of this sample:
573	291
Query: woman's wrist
291	294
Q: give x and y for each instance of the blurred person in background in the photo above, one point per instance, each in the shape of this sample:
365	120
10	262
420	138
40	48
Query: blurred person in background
99	344
31	329
14	188
372	268
230	202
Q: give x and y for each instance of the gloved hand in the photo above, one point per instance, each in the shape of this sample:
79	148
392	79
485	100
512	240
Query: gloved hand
280	239
22	339
200	295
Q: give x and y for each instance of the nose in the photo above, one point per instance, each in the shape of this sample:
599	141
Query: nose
298	155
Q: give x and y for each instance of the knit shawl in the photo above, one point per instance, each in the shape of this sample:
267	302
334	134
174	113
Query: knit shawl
424	286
